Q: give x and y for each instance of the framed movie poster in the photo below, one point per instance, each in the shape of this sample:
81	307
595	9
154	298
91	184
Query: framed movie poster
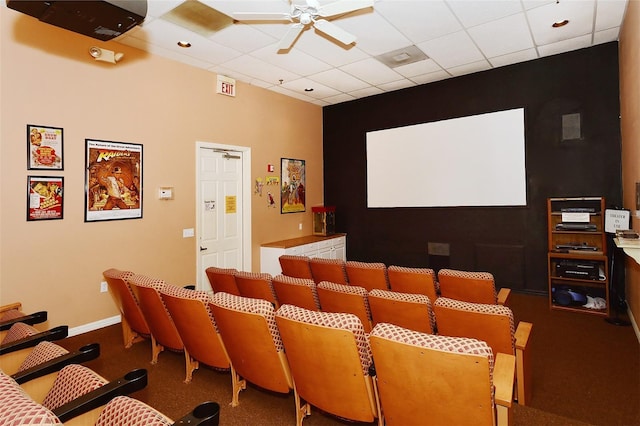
44	197
44	147
113	180
293	188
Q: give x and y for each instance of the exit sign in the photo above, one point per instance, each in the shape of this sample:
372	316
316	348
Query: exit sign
226	86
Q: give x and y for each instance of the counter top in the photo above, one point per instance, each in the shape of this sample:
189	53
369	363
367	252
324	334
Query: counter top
298	241
630	246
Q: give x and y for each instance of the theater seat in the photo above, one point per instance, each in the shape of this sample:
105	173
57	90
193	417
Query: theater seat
413	280
495	325
427	379
252	340
370	275
332	270
222	280
300	292
412	311
295	266
345	298
471	286
257	285
134	326
330	358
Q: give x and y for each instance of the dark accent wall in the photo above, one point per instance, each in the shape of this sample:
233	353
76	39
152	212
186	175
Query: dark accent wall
510	242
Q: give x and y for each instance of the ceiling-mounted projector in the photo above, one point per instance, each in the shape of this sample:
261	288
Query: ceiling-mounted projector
100	19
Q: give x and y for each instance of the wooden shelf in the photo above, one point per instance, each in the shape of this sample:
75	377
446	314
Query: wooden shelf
590	267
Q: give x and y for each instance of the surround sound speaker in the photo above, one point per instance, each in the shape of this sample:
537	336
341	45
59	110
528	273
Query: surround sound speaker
99	19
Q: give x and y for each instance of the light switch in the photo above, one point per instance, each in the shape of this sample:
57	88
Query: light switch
188	232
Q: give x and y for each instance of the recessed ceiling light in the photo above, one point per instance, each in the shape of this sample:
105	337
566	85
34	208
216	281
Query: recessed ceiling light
308	89
184	44
560	23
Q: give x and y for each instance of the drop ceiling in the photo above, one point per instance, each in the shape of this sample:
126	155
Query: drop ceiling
400	43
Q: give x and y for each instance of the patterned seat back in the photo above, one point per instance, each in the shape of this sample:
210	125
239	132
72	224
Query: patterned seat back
41	353
18	331
410	393
17	408
300	292
295	266
134	324
468	286
370	275
345	298
413	280
222	280
332	270
493	324
256	286
329	357
123	410
412	311
252	340
72	381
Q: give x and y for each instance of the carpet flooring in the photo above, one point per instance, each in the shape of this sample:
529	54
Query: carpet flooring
586	371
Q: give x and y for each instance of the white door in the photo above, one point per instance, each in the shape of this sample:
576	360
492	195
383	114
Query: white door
220	209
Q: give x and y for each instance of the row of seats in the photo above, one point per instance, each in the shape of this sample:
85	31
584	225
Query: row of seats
326	358
493	323
43	383
470	286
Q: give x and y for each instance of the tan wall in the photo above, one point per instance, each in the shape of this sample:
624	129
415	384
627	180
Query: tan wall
48	78
630	127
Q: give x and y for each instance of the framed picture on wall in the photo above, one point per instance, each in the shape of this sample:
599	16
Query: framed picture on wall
44	197
113	180
44	147
293	185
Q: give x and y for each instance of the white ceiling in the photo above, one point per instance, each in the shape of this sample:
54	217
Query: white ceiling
458	36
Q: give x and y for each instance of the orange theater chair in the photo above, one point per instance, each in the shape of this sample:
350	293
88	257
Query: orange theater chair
332	270
300	292
413	280
369	275
470	286
412	311
295	266
222	280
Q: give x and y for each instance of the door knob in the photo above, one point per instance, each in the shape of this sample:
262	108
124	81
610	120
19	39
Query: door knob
203	248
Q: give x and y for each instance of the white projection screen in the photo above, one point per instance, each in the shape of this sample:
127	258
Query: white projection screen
469	161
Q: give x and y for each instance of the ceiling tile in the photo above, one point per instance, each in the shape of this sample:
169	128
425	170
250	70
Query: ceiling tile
339	79
259	69
565	45
452	50
417	68
319	90
512	31
580	21
295	61
474	12
515	57
371	71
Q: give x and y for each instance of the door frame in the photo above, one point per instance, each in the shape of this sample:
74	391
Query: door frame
246	203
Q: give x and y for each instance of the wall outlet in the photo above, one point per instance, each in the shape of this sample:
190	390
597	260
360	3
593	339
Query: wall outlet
103	287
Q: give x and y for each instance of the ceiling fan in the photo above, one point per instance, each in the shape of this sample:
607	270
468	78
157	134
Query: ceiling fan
309	13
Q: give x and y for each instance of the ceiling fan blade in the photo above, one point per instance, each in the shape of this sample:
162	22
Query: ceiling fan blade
343	6
257	16
291	36
334	31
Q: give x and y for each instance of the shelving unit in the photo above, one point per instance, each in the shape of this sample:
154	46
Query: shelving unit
577	258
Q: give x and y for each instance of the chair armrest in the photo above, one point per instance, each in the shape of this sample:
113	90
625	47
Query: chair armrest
522	334
503	295
131	382
205	414
85	353
53	334
31	319
10	306
504	371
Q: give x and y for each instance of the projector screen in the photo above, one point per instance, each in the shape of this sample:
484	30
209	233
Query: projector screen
470	161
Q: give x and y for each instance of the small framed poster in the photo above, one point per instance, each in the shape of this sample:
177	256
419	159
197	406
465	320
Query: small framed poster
44	147
44	197
292	179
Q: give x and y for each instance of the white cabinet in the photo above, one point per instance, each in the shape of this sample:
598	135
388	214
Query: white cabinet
328	247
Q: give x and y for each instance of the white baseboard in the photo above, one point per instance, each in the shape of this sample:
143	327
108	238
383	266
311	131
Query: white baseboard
94	325
634	324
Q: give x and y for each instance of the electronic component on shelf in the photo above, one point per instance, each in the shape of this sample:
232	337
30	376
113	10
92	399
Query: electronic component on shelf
578	210
576	246
576	226
580	269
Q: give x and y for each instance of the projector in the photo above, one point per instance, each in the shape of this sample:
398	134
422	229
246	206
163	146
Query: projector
99	19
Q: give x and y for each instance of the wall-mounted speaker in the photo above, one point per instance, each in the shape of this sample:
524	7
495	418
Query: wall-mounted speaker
571	126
